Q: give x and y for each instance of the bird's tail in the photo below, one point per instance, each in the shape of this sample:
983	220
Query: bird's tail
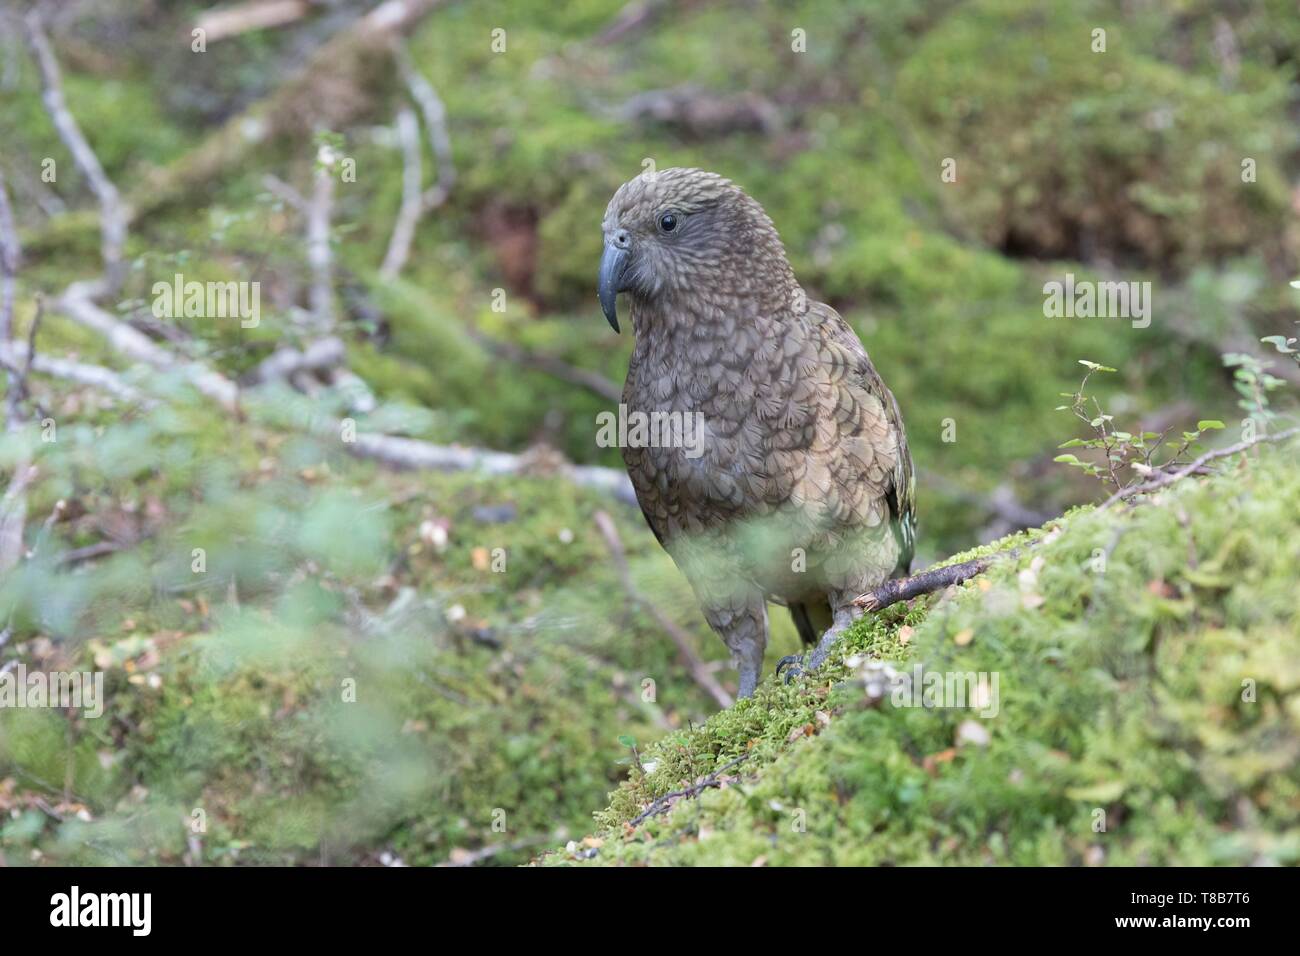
812	619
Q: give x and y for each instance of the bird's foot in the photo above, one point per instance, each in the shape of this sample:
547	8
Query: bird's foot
792	665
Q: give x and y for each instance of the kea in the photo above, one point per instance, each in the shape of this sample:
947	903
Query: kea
795	486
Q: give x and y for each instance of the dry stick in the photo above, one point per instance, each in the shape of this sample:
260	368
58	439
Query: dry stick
661	804
408	215
434	113
904	589
113	217
411	453
698	670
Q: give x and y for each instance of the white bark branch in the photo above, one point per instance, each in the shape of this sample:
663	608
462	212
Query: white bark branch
408	216
113	217
138	347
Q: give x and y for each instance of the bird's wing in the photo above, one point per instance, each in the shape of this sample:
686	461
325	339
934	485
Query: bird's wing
876	463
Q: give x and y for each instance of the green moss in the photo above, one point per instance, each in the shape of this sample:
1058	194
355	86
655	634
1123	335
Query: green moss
1145	711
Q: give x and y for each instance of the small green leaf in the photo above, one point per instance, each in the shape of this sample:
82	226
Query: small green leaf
1205	424
627	741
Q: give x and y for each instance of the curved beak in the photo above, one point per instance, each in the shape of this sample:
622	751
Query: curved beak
613	263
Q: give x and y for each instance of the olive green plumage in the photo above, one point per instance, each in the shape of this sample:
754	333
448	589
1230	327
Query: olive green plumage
800	488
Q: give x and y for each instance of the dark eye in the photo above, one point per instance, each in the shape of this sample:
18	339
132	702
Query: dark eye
668	222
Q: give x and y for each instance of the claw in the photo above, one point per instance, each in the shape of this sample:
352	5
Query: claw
795	664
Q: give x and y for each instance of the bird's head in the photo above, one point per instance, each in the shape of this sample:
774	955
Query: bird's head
677	231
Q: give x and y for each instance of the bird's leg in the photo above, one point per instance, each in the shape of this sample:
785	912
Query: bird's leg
794	666
744	630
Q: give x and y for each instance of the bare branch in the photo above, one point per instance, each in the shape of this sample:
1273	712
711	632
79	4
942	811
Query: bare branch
434	113
95	376
408	216
699	672
140	348
661	804
113	216
935	579
398	452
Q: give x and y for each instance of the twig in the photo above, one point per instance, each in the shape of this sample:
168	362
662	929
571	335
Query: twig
1168	478
96	376
698	671
664	803
408	215
935	579
434	113
113	217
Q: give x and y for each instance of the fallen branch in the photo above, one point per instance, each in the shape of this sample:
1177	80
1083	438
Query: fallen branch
284	363
140	348
80	373
665	803
935	579
411	453
112	216
434	113
699	672
408	215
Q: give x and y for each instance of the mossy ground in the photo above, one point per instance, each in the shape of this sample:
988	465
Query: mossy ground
1148	712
